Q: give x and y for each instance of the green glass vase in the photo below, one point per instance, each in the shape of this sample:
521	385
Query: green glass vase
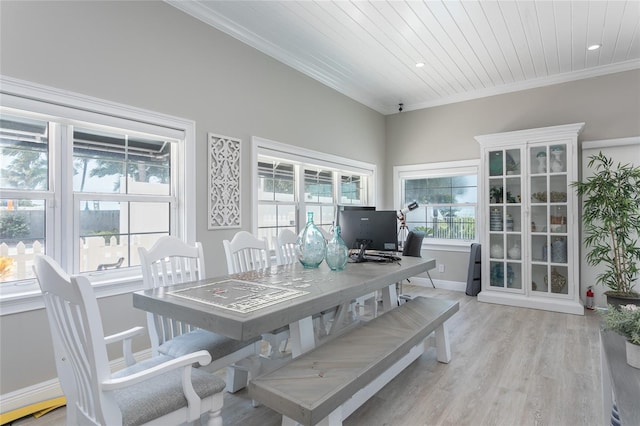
310	245
337	252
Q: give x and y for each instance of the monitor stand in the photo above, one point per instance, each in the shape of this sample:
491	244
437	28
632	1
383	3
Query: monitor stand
362	244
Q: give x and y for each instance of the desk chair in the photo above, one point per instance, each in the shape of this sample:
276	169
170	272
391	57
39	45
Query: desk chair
245	253
171	261
161	390
413	248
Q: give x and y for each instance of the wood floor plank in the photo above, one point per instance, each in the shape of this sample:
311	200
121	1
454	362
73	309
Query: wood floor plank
510	366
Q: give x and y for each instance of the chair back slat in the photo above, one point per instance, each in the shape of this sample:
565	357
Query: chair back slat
245	252
285	247
170	261
81	354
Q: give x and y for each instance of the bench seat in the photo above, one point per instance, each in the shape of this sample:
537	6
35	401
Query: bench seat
319	384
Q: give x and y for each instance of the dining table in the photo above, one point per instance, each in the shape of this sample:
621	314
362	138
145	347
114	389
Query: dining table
245	305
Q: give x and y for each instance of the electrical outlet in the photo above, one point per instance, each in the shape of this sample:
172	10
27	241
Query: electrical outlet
441	267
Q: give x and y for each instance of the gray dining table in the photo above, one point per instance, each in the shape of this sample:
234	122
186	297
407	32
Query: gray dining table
246	305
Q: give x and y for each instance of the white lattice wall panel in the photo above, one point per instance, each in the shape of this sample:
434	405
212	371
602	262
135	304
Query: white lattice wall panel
224	182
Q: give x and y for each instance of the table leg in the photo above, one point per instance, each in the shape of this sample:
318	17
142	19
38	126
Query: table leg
302	336
389	297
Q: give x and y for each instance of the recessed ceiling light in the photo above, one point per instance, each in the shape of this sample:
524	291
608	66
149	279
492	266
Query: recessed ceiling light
419	64
594	47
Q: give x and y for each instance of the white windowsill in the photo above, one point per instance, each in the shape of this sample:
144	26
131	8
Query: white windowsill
460	247
26	296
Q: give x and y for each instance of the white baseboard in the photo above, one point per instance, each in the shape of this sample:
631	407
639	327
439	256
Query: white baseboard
50	389
443	284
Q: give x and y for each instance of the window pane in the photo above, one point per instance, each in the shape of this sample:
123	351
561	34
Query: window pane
447	206
102	160
318	186
273	218
147	217
24	153
111	230
275	181
352	189
22	235
267	216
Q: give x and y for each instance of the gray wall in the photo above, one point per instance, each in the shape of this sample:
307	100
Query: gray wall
608	105
150	55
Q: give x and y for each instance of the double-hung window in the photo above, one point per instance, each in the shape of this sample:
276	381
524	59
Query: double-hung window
87	182
447	196
291	181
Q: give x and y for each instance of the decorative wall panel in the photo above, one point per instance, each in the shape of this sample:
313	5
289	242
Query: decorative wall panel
224	182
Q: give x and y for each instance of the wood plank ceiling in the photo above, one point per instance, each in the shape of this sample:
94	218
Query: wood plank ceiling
368	50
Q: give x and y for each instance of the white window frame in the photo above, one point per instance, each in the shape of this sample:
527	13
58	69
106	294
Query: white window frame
44	101
302	156
434	170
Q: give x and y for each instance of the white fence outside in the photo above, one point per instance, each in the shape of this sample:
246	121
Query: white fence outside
93	252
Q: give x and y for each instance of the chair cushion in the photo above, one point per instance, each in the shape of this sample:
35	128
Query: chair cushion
160	395
197	340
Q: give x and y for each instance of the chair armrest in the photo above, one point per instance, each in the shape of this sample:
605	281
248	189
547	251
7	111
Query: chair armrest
126	337
186	361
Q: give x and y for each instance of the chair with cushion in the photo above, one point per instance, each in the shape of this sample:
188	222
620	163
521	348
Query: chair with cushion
160	390
172	261
245	252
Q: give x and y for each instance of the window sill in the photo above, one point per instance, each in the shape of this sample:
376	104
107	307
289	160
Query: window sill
26	296
454	246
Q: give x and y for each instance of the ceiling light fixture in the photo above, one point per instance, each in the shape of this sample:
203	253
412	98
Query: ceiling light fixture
419	64
594	47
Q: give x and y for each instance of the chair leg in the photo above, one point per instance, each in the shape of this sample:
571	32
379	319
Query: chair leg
429	275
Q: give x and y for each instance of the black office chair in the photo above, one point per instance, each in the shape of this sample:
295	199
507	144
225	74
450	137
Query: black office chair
413	244
413	247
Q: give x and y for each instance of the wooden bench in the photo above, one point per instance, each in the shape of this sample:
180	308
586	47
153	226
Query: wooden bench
327	384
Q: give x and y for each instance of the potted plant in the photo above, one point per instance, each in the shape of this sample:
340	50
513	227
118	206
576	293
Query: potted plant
625	320
611	218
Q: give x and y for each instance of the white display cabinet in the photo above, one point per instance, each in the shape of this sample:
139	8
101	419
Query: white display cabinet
528	218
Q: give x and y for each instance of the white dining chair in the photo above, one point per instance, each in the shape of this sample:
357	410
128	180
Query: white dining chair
172	261
284	245
161	390
246	252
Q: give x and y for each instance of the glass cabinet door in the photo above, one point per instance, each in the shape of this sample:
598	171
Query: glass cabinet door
505	219
548	242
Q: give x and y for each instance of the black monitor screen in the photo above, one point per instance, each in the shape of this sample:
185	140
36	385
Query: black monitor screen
375	228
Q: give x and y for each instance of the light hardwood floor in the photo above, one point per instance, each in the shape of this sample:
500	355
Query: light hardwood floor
510	366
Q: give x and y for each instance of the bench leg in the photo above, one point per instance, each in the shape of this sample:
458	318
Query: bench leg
443	349
333	419
302	336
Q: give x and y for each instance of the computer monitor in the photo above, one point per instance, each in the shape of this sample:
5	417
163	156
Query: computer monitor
369	229
342	208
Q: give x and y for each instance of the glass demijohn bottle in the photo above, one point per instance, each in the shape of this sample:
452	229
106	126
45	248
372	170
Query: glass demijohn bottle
310	245
337	251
